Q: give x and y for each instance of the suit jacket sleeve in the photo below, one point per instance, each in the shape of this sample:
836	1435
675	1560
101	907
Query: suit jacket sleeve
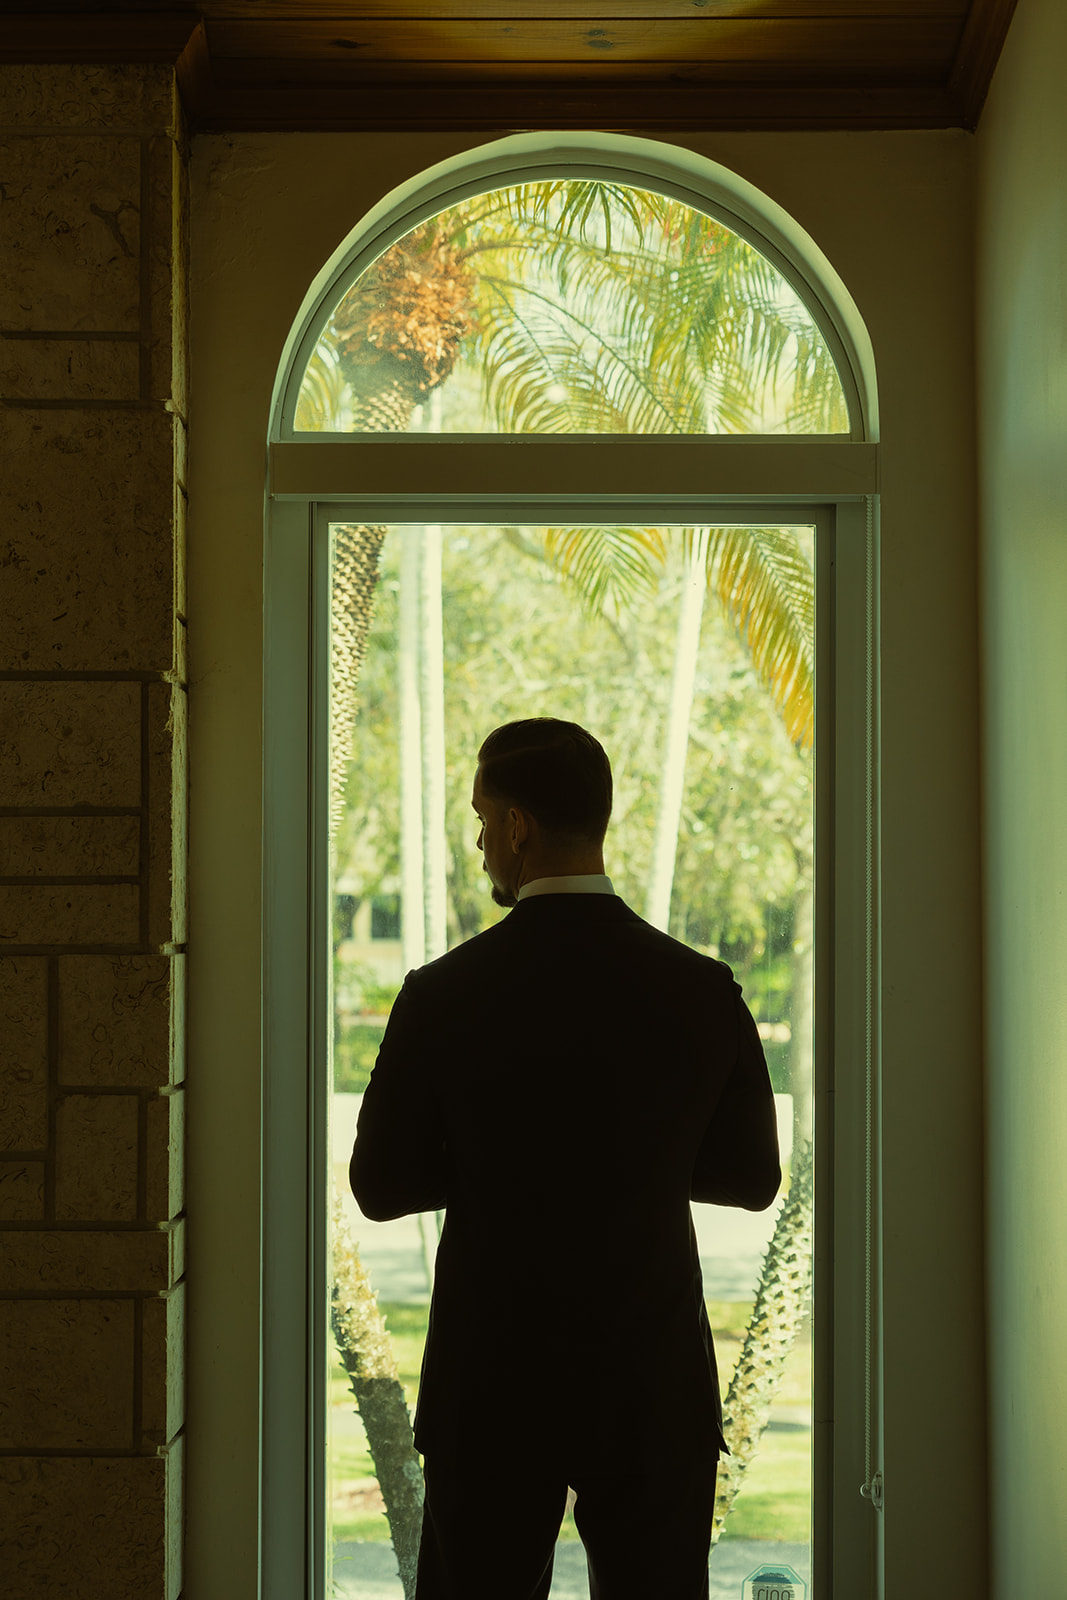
737	1163
398	1161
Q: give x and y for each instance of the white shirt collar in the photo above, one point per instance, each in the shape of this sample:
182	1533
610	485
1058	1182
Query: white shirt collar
576	883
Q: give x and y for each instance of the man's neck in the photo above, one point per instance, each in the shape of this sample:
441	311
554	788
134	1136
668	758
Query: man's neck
557	866
580	883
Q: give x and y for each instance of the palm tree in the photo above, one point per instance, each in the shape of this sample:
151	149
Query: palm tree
393	339
676	743
590	307
586	307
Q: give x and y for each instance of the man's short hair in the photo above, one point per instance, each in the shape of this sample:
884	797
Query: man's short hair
555	770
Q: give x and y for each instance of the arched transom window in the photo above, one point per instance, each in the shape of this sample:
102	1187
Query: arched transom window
571	306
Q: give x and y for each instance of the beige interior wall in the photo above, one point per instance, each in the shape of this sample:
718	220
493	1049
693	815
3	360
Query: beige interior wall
92	821
893	214
1022	323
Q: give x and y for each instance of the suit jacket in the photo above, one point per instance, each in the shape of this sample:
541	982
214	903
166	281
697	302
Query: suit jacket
563	1084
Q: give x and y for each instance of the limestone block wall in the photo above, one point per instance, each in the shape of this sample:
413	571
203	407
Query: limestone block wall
92	807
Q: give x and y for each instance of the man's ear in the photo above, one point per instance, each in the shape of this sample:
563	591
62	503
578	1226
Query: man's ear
520	828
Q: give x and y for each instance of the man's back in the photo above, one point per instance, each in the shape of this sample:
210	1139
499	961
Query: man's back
563	1084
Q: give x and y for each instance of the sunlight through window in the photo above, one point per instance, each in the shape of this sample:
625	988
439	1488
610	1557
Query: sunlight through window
572	306
690	654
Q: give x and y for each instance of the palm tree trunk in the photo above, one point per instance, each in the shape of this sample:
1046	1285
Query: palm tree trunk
367	1354
782	1304
412	878
385	407
357	551
672	782
432	698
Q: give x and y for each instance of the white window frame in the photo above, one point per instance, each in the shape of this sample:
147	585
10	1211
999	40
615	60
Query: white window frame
830	482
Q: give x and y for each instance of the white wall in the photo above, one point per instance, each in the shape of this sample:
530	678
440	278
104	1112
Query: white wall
893	214
1022	323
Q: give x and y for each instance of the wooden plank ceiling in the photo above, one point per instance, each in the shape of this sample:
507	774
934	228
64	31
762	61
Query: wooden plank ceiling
637	65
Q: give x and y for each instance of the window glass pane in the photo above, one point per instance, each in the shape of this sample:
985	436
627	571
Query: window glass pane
635	633
569	306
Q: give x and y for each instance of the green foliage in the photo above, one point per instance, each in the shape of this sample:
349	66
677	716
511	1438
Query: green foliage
589	307
605	308
516	644
582	306
612	569
764	580
323	400
378	998
355	1051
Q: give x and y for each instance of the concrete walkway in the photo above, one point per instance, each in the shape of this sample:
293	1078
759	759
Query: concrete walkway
368	1571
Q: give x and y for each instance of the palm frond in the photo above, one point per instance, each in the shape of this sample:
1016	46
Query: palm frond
666	292
547	369
611	568
766	586
602	308
324	394
586	209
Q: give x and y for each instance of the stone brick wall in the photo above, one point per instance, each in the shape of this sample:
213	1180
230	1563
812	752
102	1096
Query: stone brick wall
92	806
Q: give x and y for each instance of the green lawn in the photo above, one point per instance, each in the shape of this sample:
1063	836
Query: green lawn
773	1502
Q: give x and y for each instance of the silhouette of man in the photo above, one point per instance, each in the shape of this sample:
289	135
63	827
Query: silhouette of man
564	1084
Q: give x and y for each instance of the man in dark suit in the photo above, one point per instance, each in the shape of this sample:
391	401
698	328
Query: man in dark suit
564	1084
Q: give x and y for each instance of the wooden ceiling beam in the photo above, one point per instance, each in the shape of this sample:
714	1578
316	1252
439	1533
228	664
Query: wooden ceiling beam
492	64
353	12
81	36
979	49
508	107
633	77
805	41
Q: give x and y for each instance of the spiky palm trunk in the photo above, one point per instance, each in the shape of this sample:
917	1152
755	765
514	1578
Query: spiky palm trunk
389	372
367	1354
782	1303
357	555
399	330
357	551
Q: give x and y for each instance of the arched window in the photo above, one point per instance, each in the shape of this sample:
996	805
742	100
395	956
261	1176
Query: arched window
626	381
571	305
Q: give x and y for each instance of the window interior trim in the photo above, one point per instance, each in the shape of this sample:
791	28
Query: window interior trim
676	469
296	977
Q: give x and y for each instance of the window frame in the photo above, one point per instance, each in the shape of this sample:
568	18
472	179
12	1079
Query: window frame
691	479
525	159
297	980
